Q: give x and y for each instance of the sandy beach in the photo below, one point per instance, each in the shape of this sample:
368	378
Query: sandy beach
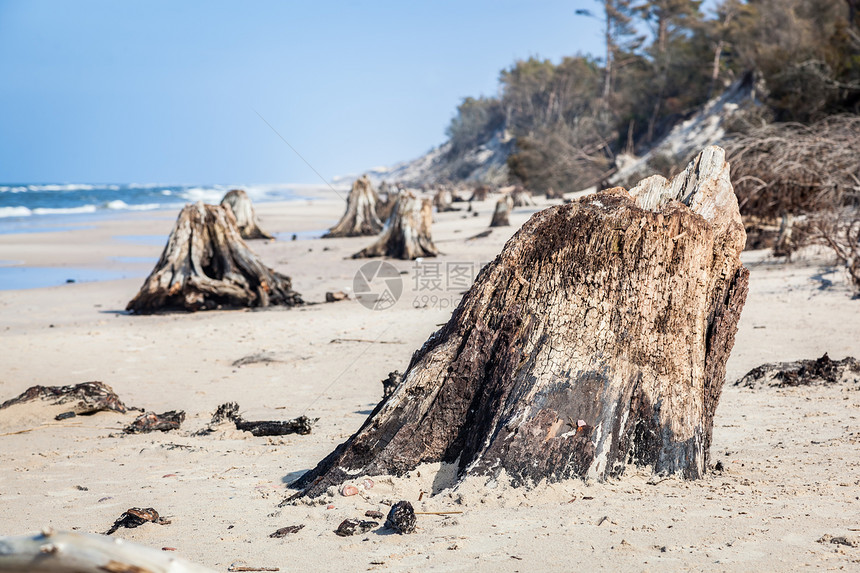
790	456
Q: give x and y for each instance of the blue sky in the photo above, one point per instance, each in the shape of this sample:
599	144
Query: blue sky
166	91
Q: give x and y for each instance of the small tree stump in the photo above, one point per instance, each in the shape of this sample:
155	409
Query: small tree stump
502	212
246	218
206	264
597	338
386	200
407	232
522	198
553	194
443	201
360	217
480	193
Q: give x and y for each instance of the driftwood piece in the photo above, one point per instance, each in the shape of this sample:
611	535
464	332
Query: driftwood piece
407	232
336	296
206	264
820	371
83	399
502	212
284	531
135	517
152	422
230	412
246	218
69	551
360	217
596	339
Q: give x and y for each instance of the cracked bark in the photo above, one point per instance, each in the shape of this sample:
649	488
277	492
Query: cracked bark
598	338
206	265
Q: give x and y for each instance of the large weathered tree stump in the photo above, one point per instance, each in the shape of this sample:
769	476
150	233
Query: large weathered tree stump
502	212
407	232
246	218
360	217
596	339
206	265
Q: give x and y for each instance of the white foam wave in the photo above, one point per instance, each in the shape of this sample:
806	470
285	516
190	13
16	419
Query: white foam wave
121	205
14	212
205	194
65	210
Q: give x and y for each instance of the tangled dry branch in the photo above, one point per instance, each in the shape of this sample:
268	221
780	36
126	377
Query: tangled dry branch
794	169
839	230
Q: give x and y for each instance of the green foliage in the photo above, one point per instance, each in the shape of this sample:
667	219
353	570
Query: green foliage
475	122
805	50
570	119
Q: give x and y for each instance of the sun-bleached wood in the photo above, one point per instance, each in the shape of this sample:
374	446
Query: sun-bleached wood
407	233
73	552
240	204
360	217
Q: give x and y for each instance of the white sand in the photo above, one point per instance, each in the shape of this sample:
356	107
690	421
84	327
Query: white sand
791	456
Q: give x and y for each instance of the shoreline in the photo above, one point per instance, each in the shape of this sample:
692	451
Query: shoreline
121	244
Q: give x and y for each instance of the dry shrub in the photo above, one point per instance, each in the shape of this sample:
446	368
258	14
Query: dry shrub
794	169
839	230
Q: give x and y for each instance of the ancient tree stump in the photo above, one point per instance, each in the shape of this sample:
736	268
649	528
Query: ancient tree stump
480	193
443	201
596	339
206	264
246	218
407	232
502	212
386	201
522	198
360	217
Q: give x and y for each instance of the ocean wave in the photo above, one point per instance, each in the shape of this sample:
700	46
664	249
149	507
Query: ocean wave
53	187
205	194
120	205
65	210
14	212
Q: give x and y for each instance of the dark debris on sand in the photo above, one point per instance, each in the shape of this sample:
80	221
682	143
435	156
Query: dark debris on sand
289	530
349	527
401	518
821	371
135	517
152	422
229	412
85	398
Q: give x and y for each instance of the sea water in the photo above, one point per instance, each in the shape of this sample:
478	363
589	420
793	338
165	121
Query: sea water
53	207
24	207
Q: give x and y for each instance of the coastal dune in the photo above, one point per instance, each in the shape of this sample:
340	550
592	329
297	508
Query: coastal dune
789	456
